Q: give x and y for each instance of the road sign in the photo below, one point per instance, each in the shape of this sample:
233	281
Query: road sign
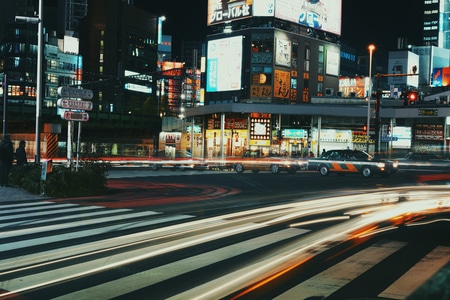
75	104
389	138
76	116
69	92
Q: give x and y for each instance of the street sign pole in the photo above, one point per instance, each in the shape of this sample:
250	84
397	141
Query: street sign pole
74	110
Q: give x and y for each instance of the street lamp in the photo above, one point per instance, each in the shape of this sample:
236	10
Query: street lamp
371	48
37	20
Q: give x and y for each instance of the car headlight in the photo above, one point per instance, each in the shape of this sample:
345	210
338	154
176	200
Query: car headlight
381	165
395	164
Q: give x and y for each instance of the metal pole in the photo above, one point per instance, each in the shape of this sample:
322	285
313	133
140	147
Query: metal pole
39	83
371	47
78	146
5	100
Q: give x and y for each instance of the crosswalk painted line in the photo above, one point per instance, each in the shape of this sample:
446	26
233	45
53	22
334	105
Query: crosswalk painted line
334	278
64	218
50	226
68	225
140	280
83	233
8	210
419	274
24	204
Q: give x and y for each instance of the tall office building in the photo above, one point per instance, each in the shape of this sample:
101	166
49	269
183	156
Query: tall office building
72	11
436	29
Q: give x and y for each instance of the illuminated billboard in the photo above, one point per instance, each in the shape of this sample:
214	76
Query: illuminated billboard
441	76
220	11
318	14
333	59
224	64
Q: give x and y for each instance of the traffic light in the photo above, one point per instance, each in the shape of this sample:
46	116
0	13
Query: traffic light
410	97
279	134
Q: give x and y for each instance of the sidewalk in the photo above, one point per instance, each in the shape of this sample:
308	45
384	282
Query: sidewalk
17	194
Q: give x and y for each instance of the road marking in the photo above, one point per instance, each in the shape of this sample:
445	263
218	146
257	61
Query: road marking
140	280
83	233
418	275
335	277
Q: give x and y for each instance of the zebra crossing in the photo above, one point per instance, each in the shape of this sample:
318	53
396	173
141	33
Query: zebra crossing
336	277
47	243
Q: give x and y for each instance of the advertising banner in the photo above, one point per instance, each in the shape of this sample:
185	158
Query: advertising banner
318	14
282	84
220	11
224	64
441	76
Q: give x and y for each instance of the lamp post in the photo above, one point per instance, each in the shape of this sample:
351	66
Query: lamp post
371	48
39	21
5	99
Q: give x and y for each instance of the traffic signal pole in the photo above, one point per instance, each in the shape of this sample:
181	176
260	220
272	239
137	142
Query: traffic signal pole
378	104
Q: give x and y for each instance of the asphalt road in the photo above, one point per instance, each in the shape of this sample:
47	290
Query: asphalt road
213	191
191	234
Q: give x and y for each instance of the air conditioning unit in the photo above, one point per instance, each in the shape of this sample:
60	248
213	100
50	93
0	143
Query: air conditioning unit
352	95
328	92
339	94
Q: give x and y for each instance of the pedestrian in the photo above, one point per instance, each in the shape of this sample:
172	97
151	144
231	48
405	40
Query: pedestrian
21	154
6	159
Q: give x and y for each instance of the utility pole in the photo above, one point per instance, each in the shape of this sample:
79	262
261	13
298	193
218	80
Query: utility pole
378	104
5	101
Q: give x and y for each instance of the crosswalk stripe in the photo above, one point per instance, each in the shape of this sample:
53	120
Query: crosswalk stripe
332	279
91	221
65	218
418	274
44	216
140	280
83	233
6	211
23	204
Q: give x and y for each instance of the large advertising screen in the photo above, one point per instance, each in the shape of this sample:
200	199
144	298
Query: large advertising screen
318	14
224	64
441	76
220	11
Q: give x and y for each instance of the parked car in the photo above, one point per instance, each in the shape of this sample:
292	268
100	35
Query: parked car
255	161
351	161
423	161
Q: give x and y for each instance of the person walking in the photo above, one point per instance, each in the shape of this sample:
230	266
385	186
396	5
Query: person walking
21	154
6	159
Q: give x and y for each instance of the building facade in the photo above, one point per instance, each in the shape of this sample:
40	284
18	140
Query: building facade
436	24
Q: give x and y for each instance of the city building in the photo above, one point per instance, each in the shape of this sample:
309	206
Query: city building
266	77
436	24
119	46
124	118
272	83
19	69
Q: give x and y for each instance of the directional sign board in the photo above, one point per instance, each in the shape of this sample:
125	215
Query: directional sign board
75	104
69	92
389	138
76	116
